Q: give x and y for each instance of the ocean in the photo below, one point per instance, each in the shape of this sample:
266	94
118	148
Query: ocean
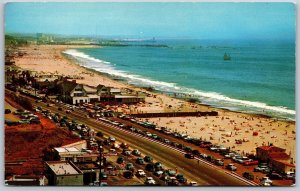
259	78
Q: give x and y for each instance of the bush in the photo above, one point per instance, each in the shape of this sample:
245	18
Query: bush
7	111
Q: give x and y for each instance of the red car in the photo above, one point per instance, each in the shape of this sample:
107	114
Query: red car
250	162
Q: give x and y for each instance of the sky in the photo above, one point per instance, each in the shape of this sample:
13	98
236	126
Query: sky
186	20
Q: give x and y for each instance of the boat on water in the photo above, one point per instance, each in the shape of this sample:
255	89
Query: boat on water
227	56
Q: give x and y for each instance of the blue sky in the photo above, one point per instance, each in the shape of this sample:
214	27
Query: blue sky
191	20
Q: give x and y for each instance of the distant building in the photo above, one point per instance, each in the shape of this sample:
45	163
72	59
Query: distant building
63	173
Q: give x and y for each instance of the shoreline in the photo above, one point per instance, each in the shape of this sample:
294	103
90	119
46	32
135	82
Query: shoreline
268	111
231	120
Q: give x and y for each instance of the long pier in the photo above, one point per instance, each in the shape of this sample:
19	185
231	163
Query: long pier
175	114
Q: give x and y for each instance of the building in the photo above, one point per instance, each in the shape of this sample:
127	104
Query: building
283	165
108	91
25	180
92	93
63	173
75	155
265	153
128	99
78	145
74	93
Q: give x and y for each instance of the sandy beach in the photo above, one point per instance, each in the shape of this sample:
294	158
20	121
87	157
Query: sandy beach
226	129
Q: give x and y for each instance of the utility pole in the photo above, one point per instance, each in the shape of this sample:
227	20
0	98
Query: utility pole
100	149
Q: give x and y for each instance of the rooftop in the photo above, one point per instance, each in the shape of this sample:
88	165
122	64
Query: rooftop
266	148
66	150
63	168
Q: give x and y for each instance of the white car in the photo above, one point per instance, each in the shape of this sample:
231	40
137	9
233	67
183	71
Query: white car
193	183
265	180
150	181
141	173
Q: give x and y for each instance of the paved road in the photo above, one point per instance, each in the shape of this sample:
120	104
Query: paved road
200	172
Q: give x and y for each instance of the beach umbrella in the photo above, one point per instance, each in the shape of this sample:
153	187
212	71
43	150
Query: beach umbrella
255	133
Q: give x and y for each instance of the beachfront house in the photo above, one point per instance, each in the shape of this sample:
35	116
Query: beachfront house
92	93
107	91
74	93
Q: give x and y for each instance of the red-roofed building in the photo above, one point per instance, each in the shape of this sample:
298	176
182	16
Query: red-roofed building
284	166
265	153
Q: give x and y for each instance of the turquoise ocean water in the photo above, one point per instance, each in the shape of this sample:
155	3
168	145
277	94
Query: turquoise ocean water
259	78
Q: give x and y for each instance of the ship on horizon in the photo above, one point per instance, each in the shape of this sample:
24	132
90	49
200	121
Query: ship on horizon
227	56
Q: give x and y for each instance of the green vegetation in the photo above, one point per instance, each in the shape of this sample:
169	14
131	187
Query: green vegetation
14	41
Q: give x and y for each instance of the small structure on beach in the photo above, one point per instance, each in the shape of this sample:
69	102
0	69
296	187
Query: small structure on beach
129	99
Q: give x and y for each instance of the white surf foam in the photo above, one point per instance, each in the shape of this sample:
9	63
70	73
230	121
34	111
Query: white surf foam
209	97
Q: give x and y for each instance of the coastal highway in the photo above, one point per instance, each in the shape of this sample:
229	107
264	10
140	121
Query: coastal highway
201	172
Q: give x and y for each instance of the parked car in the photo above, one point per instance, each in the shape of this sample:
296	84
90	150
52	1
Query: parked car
140	161
136	152
158	173
150	167
140	173
192	183
231	167
266	180
170	172
260	168
158	166
148	159
196	152
248	175
111	139
129	166
250	162
128	174
124	146
219	162
189	156
289	175
103	176
181	178
150	181
275	176
126	152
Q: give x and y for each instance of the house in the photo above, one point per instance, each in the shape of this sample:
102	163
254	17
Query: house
74	93
63	173
266	153
107	91
92	93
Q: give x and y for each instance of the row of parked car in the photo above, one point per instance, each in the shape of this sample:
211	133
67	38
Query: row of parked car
27	117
